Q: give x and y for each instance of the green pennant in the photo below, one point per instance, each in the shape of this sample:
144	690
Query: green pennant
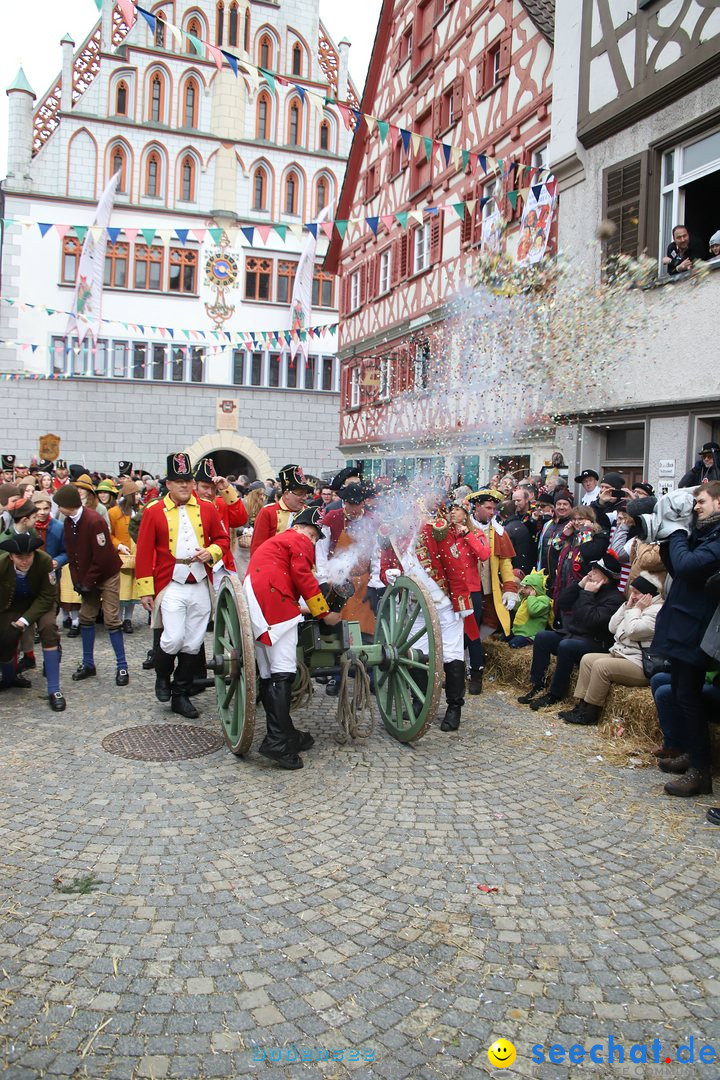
341	227
281	230
428	147
80	231
186	333
465	158
459	208
512	199
268	77
196	44
216	235
149	235
383	127
401	217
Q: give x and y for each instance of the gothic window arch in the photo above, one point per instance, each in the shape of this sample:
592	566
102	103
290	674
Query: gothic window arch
260	189
153	185
220	23
156	98
194	28
322	193
160	30
264	115
265	52
122	98
297	55
291	201
119	161
233	25
295	121
190	103
187	178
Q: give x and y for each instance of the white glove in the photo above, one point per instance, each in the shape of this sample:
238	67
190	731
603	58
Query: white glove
510	600
392	576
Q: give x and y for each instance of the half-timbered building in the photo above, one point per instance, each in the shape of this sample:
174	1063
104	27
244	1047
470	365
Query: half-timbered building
636	144
475	76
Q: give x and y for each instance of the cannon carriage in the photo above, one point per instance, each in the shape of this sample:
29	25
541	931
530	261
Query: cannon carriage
404	659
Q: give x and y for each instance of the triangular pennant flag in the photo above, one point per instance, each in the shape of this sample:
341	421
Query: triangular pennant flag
537	190
113	234
176	34
281	230
371	122
312	228
62	230
405	136
345	113
182	235
165	236
388	221
415	140
402	218
127	10
327	228
373	223
214	54
232	61
297	231
197	45
512	198
447	150
482	162
428	147
459	208
96	232
358	117
80	231
130	234
465	158
264	231
383	128
149	19
44	227
300	90
149	235
248	232
268	77
341	227
199	234
216	235
416	215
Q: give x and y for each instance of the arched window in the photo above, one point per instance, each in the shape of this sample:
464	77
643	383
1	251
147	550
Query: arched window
220	23
292	187
262	126
325	135
259	197
322	192
160	30
246	36
266	52
187	179
153	174
121	98
294	120
233	25
190	104
157	98
118	163
194	28
297	59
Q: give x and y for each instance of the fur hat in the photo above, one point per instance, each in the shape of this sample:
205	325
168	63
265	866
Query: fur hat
41	497
68	497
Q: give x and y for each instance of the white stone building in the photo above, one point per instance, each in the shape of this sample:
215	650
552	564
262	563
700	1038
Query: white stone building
196	148
636	140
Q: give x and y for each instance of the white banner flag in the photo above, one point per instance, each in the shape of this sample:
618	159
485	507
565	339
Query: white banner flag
87	302
301	303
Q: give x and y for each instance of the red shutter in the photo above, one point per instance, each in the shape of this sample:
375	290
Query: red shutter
363	284
395	62
372	277
467	224
345	295
480	77
457	97
436	117
404	257
436	229
505	53
376	177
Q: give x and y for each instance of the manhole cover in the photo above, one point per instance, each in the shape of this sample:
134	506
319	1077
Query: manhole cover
162	742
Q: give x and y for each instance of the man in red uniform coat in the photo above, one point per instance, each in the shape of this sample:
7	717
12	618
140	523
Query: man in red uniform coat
277	517
95	571
229	505
62	476
279	574
180	539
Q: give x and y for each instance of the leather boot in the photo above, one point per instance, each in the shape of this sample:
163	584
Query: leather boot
200	677
454	694
280	743
149	661
677	765
525	699
181	703
475	684
586	714
694	782
164	664
569	715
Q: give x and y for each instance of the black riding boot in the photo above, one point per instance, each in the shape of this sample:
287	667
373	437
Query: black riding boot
164	664
454	694
280	743
182	682
149	661
200	677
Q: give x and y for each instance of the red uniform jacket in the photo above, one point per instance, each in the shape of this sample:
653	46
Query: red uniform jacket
157	541
233	516
280	572
91	555
272	519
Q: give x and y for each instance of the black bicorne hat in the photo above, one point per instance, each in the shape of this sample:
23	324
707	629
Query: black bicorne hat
292	477
310	516
205	471
21	543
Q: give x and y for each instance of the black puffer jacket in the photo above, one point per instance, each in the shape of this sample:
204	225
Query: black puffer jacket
591	613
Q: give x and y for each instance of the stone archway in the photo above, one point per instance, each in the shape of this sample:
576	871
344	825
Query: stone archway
233	443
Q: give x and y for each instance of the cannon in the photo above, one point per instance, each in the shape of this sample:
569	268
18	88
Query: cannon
405	658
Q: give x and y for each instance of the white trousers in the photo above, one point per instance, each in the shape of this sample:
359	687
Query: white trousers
220	572
282	656
185	610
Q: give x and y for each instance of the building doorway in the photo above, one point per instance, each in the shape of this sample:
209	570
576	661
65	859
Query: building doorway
230	463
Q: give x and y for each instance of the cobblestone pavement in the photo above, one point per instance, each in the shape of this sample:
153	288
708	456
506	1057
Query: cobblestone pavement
242	911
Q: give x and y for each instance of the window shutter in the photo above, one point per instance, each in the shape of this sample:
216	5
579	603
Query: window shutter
403	255
436	117
345	295
505	53
467	227
376	179
399	259
480	76
457	97
396	56
372	277
436	238
363	283
625	193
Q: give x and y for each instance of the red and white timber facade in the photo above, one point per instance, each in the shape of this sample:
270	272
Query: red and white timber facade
476	74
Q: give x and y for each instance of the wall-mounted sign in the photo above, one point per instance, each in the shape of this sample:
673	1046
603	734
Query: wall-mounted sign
667	467
226	414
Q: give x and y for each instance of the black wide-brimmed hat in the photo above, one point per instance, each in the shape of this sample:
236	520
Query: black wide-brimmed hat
178	466
76	471
292	478
585	475
341	478
609	565
310	516
205	472
647	488
21	543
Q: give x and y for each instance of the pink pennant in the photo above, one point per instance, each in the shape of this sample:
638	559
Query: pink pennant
327	228
127	10
62	230
199	234
215	54
264	231
345	114
387	220
130	234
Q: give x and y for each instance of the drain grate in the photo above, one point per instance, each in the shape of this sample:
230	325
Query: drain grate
162	742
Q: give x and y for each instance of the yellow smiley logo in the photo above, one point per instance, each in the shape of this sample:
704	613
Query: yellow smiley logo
501	1054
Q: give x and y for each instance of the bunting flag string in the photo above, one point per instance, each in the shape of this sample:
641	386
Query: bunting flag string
255	75
249	338
260	235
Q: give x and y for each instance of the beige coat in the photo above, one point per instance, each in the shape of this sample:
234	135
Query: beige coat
634	629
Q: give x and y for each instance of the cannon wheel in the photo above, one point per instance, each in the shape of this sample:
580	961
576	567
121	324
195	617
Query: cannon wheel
409	684
235	683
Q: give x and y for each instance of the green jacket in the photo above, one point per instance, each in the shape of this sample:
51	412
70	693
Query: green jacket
534	612
42	582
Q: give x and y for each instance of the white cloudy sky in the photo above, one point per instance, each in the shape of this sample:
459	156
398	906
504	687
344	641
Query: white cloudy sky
32	30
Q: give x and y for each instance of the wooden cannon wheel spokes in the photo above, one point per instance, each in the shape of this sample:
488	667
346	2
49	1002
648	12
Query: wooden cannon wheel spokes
234	666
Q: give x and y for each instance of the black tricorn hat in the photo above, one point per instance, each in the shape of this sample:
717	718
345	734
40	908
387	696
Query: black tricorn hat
124	468
8	461
21	543
609	564
310	516
205	471
178	466
341	478
355	494
76	471
292	477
